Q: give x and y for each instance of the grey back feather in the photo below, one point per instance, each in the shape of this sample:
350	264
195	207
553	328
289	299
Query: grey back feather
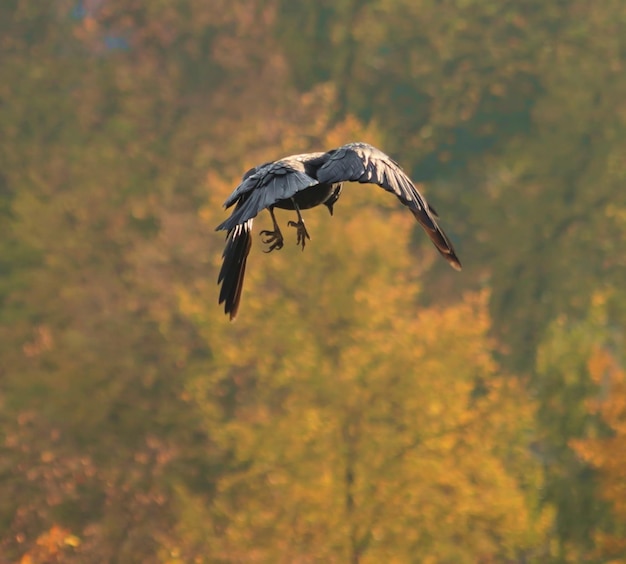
270	183
360	162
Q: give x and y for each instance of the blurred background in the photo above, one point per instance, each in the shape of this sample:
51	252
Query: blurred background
369	404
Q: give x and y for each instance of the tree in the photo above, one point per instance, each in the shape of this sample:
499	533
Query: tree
103	163
606	453
564	387
360	428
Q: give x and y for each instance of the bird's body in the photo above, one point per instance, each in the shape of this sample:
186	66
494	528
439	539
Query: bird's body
306	199
306	181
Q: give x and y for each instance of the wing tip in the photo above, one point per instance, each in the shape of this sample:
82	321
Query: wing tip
454	262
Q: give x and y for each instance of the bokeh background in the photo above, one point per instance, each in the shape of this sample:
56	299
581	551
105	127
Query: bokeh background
369	404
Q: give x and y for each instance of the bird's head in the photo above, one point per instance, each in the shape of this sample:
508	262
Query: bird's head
332	199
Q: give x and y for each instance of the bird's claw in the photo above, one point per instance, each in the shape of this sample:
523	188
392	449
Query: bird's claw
302	233
272	238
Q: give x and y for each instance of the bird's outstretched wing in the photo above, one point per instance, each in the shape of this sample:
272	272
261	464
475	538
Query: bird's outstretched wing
360	162
264	186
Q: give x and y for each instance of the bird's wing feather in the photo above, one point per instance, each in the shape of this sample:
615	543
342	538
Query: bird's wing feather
360	162
269	184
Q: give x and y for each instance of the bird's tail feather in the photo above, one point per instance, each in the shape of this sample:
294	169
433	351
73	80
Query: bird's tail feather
437	236
238	242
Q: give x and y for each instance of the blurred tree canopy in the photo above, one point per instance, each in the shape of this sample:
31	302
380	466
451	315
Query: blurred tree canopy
368	405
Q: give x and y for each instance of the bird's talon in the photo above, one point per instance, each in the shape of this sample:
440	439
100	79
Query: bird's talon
272	238
276	246
301	233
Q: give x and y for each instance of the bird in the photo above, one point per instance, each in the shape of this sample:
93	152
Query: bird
301	182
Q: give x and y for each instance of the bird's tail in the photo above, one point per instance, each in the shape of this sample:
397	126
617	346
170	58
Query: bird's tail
426	218
238	242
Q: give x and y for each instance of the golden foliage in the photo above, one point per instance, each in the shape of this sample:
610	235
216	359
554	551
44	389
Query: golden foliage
358	422
51	546
608	454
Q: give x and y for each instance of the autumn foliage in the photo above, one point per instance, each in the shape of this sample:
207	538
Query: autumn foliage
607	454
369	404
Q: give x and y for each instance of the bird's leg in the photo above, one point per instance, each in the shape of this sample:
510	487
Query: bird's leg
273	238
303	234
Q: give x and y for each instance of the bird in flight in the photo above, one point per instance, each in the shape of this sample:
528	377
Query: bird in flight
301	182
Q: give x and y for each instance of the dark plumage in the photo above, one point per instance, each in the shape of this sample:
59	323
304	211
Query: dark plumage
305	181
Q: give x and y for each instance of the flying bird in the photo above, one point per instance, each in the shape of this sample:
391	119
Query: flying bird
301	182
